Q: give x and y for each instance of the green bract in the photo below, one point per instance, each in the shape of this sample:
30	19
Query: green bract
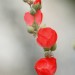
53	48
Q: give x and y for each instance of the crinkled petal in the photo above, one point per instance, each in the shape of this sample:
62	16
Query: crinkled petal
42	41
48	37
46	66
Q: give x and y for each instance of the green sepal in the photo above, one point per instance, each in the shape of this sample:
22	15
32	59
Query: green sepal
35	26
32	11
53	48
37	6
46	49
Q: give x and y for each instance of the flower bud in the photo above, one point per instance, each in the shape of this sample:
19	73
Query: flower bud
30	29
37	6
32	11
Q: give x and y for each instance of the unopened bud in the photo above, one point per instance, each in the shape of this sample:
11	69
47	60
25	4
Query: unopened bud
33	11
30	29
37	6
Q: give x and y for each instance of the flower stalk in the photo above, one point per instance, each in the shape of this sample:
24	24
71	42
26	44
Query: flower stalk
46	37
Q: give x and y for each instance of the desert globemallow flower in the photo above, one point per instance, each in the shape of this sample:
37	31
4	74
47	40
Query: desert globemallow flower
30	19
46	66
46	37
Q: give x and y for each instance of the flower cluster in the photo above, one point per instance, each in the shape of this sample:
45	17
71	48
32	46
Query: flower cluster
46	37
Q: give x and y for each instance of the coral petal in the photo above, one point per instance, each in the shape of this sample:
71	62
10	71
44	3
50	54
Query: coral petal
29	19
38	17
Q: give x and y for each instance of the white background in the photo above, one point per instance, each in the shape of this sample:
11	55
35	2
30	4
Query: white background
19	50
